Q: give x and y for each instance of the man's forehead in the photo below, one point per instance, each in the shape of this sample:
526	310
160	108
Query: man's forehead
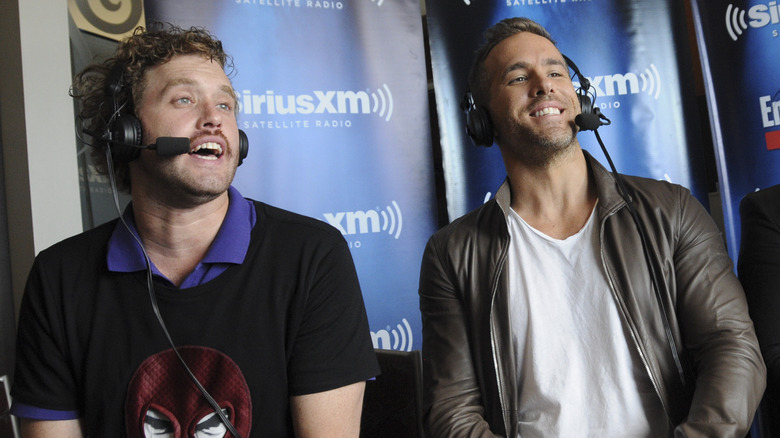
523	48
191	82
188	66
188	70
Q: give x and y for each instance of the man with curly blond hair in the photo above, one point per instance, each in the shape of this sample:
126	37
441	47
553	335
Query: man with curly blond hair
198	312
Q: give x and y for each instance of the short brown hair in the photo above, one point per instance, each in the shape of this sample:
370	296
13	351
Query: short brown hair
144	49
478	80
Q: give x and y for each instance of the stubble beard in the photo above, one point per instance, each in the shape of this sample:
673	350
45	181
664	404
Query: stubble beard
181	188
538	149
198	190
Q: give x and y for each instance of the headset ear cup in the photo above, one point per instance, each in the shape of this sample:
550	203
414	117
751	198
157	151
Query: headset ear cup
243	146
125	128
478	127
586	105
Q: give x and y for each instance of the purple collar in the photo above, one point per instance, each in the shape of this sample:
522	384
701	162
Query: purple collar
229	247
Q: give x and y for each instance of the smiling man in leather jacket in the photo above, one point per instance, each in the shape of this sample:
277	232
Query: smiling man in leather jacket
541	313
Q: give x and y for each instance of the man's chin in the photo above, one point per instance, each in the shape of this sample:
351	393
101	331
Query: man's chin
542	151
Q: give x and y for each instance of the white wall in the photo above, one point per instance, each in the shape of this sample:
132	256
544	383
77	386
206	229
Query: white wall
37	120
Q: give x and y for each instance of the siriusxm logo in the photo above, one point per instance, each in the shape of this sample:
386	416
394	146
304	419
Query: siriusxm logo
388	221
379	102
648	82
392	339
759	15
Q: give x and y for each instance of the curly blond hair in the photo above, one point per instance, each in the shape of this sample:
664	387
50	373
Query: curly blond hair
119	82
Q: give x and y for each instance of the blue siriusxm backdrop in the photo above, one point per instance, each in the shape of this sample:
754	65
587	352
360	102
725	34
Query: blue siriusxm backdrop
334	100
740	44
637	57
335	103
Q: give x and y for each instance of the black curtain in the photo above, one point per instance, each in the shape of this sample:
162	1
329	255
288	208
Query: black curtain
7	314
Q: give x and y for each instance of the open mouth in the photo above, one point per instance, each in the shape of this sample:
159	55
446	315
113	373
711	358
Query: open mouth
209	151
546	112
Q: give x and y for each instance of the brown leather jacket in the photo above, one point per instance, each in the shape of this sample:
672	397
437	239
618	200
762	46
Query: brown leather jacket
470	383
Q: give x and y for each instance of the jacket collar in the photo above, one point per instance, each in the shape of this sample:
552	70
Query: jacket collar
606	189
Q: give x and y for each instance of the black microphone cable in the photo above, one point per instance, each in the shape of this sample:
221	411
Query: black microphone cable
645	248
153	299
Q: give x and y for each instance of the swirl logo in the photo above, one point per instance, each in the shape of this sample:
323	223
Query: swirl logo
124	15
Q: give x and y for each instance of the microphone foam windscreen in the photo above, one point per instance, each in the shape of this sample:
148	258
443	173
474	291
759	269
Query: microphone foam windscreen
588	122
169	146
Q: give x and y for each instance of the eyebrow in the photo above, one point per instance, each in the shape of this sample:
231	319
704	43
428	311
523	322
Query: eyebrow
522	65
230	91
175	83
227	89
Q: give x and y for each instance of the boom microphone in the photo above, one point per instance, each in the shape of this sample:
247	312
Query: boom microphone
165	146
169	146
591	121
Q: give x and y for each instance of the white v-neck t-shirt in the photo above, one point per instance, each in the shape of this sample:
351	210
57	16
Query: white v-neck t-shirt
577	375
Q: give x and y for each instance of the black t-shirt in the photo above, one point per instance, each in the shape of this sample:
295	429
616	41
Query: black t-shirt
288	321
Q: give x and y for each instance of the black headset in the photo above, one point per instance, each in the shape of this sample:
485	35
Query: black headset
479	127
123	130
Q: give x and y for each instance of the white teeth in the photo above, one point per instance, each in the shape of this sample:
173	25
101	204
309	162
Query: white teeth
547	111
210	146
